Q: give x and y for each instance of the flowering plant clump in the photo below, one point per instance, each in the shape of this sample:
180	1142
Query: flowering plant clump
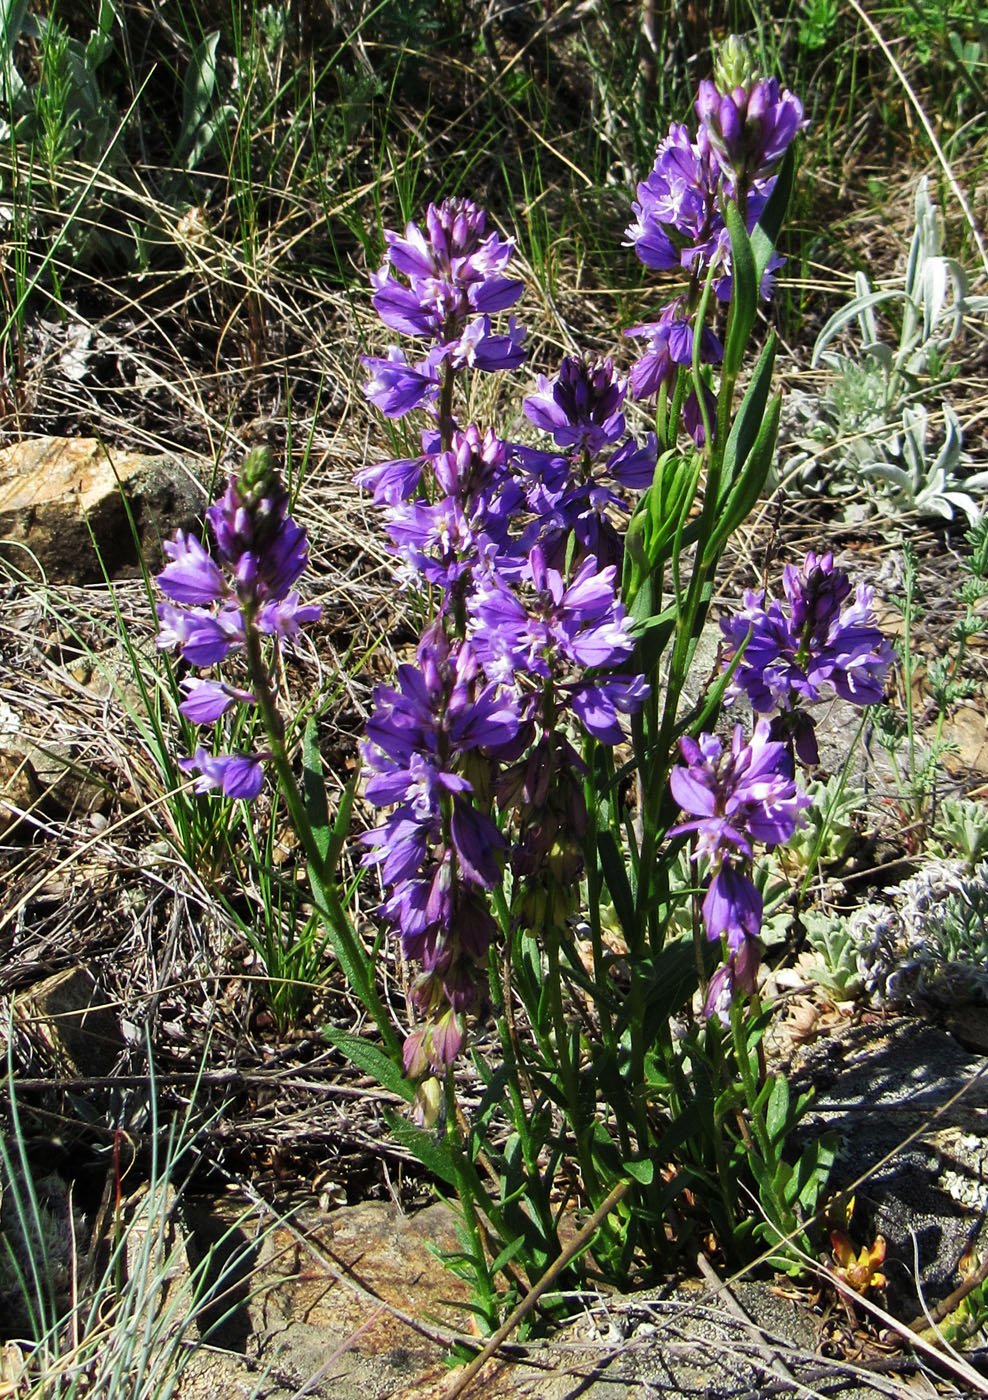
526	768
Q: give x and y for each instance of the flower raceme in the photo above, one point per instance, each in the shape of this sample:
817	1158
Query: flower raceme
439	848
217	604
442	285
745	126
795	653
737	796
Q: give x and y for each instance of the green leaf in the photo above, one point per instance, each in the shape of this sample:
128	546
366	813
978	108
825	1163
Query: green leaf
435	1156
777	1119
748	420
507	1254
748	487
744	297
641	1171
671	979
197	95
372	1060
765	235
618	885
314	791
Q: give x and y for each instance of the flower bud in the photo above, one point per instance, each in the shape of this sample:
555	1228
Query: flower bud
734	66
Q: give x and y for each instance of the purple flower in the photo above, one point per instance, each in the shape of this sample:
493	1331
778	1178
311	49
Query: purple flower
234	774
203	638
737	796
670	347
396	387
581	407
206	701
191	576
795	652
732	908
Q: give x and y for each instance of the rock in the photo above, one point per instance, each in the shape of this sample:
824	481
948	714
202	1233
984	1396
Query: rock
910	1108
20	790
55	491
353	1305
68	1017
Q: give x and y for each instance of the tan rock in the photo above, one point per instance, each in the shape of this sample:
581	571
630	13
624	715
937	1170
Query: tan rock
59	496
69	1017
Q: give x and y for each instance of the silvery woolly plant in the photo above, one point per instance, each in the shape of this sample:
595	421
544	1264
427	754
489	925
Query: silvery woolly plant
552	807
872	428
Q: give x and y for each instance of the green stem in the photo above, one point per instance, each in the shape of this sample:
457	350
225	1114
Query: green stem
349	951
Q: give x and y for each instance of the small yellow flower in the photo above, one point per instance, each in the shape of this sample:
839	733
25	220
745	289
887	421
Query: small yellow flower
859	1271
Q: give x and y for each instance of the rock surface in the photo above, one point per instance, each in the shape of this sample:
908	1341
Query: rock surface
61	496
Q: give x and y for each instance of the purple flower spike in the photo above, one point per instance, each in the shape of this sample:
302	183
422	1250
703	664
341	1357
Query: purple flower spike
749	129
260	553
453	284
795	653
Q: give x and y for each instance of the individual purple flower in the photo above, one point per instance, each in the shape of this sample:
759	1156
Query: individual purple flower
670	348
203	638
391	481
206	701
481	348
234	774
693	414
396	387
794	653
737	796
732	907
581	407
191	576
670	345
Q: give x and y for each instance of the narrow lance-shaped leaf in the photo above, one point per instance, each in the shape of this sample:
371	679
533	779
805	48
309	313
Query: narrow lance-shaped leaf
744	298
765	235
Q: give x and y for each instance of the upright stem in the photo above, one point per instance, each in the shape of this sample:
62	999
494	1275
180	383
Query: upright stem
349	950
